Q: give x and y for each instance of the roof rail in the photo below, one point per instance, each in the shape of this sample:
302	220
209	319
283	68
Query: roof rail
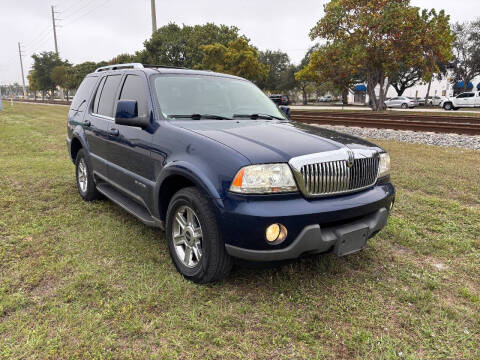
164	66
120	66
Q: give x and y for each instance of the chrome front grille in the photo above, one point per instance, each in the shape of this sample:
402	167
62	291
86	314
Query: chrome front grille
341	171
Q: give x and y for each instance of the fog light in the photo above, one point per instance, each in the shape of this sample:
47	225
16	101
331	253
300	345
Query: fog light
276	233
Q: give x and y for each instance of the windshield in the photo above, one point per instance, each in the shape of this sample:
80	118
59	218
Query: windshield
181	96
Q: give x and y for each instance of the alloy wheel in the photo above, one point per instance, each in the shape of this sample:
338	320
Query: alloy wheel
187	236
82	175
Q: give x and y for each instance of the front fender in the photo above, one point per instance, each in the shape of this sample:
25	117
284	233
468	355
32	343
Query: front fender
190	172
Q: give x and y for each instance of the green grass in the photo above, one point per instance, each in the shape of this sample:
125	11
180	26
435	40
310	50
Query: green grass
87	280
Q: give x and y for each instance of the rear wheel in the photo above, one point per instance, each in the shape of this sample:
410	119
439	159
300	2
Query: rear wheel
194	239
84	175
404	106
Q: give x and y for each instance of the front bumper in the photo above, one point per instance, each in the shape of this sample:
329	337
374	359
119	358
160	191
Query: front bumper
314	225
342	239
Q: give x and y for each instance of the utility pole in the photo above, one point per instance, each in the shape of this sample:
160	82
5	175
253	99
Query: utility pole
21	67
56	48
154	16
54	29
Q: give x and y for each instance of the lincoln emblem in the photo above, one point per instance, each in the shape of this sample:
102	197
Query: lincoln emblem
351	159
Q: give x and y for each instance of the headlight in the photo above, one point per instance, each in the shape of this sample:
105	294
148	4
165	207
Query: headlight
384	166
264	178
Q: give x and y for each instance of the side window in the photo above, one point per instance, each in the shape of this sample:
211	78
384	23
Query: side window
97	96
470	94
83	93
107	97
134	89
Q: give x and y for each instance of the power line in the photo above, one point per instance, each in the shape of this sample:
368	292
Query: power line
87	13
39	35
72	10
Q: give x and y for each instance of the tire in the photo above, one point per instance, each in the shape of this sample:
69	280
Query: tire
404	106
447	106
84	176
199	255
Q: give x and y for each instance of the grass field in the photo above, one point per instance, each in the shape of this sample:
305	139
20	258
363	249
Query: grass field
87	280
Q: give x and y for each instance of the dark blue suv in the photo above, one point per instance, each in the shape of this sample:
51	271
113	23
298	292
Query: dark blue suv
210	159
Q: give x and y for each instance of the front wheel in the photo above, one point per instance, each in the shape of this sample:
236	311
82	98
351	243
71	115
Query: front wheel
194	239
448	106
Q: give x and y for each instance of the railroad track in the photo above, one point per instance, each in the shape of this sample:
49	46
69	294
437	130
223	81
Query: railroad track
468	125
440	124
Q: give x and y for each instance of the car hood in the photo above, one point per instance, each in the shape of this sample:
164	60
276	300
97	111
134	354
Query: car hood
265	141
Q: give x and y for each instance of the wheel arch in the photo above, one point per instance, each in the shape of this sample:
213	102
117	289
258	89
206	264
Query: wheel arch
75	147
446	103
176	177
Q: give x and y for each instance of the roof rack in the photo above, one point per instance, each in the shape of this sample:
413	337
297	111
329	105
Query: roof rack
120	66
164	66
138	66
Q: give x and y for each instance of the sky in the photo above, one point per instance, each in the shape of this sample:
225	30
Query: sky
95	30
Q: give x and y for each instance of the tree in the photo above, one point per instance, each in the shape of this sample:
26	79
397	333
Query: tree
65	77
181	46
123	59
33	83
377	36
278	63
237	58
43	64
327	65
81	70
405	78
466	50
306	79
287	78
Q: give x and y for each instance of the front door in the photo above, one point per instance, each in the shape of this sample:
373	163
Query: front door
129	163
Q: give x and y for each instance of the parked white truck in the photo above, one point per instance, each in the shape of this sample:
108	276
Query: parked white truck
463	100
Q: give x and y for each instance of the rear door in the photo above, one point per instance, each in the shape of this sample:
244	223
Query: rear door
95	129
463	100
470	99
130	166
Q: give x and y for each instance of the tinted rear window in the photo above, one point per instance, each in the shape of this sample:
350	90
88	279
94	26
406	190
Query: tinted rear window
83	93
107	97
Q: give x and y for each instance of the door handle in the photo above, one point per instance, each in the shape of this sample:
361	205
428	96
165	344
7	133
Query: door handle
114	132
87	123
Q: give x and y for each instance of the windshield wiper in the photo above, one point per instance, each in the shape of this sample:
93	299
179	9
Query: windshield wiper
257	116
199	117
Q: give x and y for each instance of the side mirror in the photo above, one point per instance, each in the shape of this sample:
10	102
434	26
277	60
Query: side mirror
126	113
285	109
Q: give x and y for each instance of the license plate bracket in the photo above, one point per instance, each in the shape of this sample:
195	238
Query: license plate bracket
351	239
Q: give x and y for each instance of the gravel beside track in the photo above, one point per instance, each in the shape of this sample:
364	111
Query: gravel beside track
417	137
